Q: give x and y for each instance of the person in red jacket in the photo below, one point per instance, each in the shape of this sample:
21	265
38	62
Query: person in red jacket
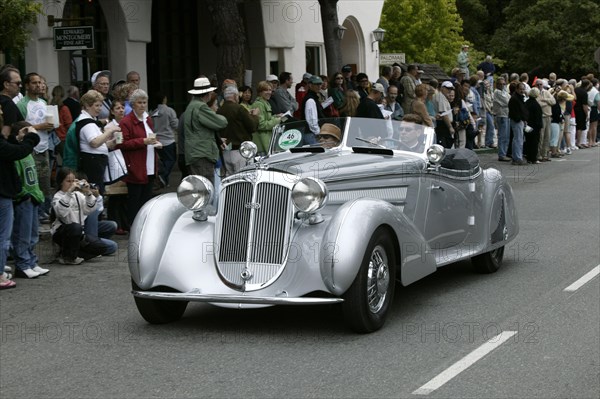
139	142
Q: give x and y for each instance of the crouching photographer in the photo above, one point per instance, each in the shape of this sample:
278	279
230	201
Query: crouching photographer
71	205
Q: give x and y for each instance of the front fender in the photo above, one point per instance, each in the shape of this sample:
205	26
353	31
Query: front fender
148	236
346	238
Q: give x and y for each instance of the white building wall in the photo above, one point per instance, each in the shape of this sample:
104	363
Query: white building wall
294	24
288	25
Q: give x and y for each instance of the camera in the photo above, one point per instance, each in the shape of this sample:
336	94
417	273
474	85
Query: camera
93	186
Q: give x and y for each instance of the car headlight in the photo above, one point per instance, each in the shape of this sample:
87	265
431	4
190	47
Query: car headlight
195	192
309	194
436	153
248	150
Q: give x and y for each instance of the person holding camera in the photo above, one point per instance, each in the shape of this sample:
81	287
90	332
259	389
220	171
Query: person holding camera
26	204
72	204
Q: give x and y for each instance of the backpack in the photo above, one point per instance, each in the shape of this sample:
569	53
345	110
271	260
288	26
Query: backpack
72	147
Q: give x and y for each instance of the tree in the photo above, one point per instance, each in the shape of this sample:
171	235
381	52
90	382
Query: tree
550	36
229	38
17	18
330	22
427	31
481	20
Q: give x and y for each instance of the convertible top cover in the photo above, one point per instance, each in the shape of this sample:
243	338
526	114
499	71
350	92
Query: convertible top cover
460	159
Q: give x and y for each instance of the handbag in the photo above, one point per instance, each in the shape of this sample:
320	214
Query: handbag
116	168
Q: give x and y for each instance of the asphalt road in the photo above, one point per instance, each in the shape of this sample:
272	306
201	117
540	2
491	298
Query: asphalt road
77	332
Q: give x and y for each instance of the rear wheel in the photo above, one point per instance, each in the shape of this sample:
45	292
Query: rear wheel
368	300
488	262
156	311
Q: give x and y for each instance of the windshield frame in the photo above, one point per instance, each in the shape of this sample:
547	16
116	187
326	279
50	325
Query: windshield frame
358	132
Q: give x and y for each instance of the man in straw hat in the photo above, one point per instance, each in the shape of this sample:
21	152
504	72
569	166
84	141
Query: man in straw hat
330	136
201	125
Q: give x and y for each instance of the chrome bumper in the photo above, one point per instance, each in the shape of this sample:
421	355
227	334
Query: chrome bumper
195	297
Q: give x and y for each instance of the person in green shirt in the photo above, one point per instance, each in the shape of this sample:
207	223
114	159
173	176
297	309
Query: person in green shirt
201	126
25	233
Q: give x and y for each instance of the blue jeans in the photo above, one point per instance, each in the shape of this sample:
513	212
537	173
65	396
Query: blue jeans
25	234
103	229
6	225
517	144
489	129
503	134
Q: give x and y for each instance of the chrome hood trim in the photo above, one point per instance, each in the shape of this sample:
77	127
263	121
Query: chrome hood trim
194	296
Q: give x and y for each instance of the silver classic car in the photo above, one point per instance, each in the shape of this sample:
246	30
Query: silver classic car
335	218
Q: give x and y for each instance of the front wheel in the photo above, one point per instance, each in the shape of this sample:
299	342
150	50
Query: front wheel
368	300
488	262
156	311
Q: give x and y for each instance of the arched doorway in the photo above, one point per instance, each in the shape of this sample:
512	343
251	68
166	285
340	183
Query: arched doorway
353	49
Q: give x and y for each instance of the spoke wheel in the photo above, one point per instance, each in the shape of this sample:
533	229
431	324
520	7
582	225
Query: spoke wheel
488	262
368	300
156	311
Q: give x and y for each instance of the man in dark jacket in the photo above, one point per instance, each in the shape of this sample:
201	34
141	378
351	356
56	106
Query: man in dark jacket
10	186
312	110
518	116
368	107
240	126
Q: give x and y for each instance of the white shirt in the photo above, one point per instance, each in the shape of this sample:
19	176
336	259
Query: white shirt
149	148
88	133
311	115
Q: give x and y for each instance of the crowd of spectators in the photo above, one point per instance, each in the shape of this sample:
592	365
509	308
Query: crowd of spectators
526	120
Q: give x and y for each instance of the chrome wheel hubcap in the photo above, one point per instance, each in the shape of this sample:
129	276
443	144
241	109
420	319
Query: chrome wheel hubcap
378	279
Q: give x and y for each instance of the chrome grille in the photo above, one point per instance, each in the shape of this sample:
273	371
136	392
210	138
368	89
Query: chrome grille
234	223
254	232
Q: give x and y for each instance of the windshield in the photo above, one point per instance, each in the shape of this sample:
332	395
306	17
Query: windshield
353	132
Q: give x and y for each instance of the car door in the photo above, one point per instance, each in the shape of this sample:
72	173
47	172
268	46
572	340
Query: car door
449	215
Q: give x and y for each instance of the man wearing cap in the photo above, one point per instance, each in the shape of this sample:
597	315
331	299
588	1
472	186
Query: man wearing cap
284	101
443	111
463	60
347	73
201	125
101	83
240	126
368	107
312	110
409	83
330	136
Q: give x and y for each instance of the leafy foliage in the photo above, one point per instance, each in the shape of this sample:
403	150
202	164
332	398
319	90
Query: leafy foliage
550	35
427	31
17	18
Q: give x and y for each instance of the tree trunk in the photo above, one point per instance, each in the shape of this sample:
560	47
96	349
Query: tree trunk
229	38
329	19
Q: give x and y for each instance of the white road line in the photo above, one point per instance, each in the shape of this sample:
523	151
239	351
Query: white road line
587	277
464	363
